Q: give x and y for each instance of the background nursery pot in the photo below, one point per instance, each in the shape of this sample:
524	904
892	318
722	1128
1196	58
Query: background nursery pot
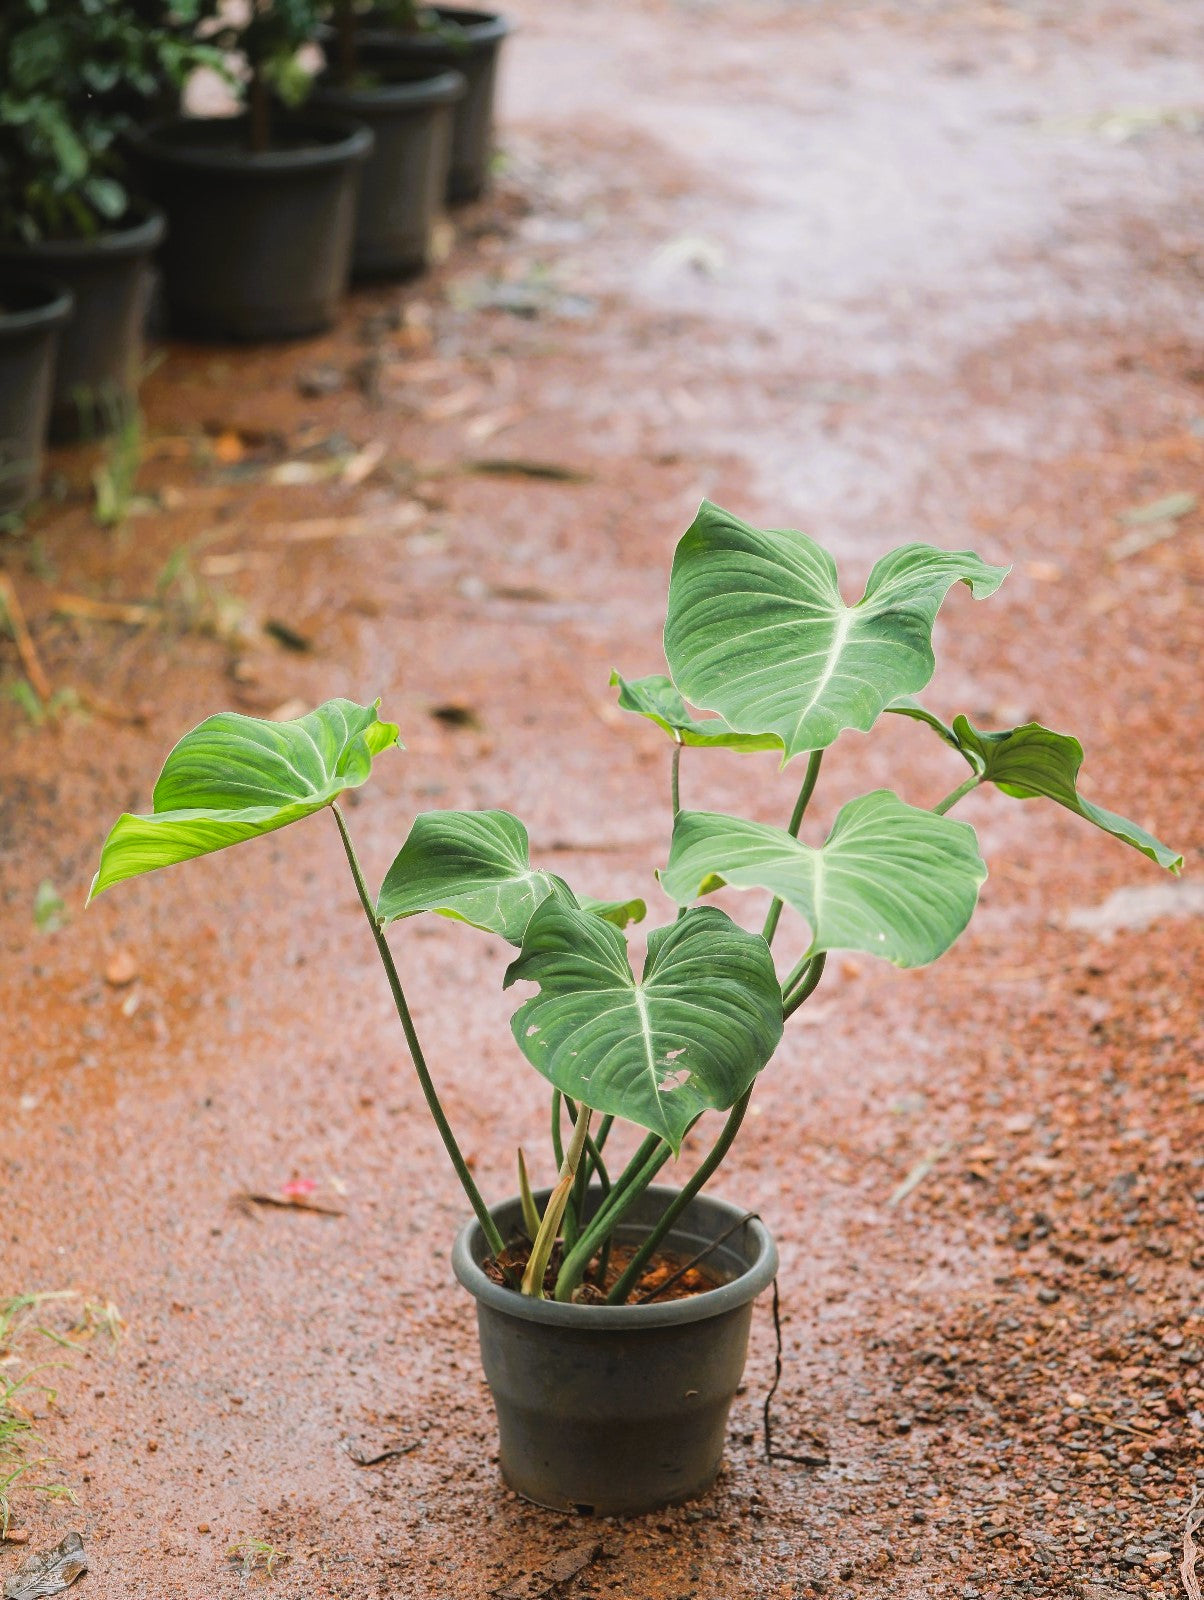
473	50
100	351
32	311
404	180
259	242
615	1410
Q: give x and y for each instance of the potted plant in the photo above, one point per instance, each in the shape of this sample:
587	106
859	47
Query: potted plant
67	209
32	312
409	107
442	38
261	206
611	1384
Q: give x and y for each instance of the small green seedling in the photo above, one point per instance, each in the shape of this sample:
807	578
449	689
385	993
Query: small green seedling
759	635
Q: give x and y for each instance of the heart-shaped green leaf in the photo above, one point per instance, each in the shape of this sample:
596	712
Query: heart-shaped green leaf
757	629
1033	762
474	866
655	697
235	777
691	1034
891	880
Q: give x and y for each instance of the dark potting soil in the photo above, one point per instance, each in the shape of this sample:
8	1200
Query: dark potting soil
667	1276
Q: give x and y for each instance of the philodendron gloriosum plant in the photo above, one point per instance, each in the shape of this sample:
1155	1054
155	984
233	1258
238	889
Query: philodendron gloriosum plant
758	634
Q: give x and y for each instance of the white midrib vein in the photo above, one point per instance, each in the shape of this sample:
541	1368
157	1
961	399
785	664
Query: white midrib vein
843	623
641	1006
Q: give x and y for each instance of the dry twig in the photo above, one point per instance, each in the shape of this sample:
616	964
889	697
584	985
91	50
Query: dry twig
1191	1527
38	681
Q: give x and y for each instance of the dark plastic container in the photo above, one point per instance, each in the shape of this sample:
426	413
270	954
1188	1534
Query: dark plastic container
472	49
404	181
32	312
616	1410
100	351
259	243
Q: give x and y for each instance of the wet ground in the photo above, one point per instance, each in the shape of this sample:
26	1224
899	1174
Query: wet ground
887	272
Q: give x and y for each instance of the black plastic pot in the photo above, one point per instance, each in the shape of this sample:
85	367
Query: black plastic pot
404	180
32	311
473	50
259	243
100	351
616	1410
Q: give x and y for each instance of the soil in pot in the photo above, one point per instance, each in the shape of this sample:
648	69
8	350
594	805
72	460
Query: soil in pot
32	313
617	1410
410	110
100	349
468	42
259	243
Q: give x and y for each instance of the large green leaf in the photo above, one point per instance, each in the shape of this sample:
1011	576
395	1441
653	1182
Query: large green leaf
235	777
692	1033
757	629
655	697
474	866
891	880
1033	762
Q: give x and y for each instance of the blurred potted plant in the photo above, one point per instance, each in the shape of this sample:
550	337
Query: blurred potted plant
468	41
613	1364
260	206
68	207
410	107
32	313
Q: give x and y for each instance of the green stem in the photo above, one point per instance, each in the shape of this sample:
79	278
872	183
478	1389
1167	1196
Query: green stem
593	1162
638	1175
675	779
796	822
631	1273
798	972
604	1128
557	1141
488	1226
951	799
814	972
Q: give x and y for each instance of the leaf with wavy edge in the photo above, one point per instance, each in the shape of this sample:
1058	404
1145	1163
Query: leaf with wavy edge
475	867
234	778
655	698
691	1034
891	880
758	632
1033	762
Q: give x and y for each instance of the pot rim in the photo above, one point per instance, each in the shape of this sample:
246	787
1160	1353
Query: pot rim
436	86
470	1247
140	231
53	309
483	30
341	141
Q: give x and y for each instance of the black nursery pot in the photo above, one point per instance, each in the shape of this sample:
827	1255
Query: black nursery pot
259	243
616	1410
473	50
32	312
410	112
100	351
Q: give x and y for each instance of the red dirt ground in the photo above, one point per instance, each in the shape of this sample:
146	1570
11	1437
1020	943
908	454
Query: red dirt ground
884	271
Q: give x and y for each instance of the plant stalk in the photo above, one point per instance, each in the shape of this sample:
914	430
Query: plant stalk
481	1210
640	1171
631	1273
545	1239
951	799
675	779
796	821
805	989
